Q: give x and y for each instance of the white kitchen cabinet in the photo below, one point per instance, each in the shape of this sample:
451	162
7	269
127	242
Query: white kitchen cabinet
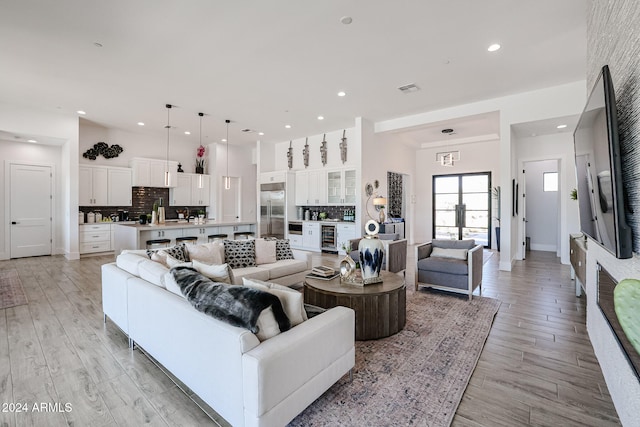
119	187
93	186
160	234
269	177
311	236
345	233
311	188
187	191
95	238
295	241
200	196
150	172
341	187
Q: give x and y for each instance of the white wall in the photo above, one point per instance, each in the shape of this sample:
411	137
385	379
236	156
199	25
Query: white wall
181	149
542	212
558	147
474	157
557	101
32	122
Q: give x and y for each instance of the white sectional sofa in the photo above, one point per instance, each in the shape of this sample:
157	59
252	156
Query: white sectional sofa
247	382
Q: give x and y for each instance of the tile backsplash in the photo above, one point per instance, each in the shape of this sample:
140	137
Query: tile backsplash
143	199
333	212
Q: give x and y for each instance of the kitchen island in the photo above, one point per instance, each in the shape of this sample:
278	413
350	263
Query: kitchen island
135	236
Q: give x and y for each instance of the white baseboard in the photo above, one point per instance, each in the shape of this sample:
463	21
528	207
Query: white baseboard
4	255
545	248
72	255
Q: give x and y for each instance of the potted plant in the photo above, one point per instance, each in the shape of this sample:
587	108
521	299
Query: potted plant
200	160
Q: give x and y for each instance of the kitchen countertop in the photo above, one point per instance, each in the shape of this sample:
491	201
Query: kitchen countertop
183	224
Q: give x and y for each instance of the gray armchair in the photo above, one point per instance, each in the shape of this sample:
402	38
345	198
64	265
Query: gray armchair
395	256
456	265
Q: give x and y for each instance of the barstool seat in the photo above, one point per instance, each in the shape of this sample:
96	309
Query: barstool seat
243	235
158	242
191	239
214	237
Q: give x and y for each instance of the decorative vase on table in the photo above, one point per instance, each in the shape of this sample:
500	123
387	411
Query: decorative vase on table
371	252
347	269
199	169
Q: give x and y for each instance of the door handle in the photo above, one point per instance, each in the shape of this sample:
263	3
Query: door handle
14	222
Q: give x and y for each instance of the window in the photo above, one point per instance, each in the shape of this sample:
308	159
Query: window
550	181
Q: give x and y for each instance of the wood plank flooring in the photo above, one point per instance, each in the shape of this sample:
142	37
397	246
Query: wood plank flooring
537	368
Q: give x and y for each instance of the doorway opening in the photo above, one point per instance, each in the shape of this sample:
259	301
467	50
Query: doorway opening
462	207
541	207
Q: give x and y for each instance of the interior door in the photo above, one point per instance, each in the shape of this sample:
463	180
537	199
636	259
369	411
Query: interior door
30	210
462	207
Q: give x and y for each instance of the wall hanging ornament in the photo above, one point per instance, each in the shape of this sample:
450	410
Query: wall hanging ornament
102	148
323	150
343	147
305	152
290	155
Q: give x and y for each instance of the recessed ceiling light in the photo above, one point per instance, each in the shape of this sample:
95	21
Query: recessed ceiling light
223	140
493	47
186	132
346	20
320	117
341	93
96	44
31	140
260	133
140	124
82	113
561	126
287	126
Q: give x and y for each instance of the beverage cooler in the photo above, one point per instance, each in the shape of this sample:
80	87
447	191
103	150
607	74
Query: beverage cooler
329	238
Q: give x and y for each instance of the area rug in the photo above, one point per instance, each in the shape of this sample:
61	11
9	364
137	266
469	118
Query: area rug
11	292
416	377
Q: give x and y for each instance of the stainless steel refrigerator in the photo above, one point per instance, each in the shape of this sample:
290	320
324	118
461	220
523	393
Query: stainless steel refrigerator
272	209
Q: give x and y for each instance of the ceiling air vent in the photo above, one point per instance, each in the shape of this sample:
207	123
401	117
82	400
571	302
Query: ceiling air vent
409	88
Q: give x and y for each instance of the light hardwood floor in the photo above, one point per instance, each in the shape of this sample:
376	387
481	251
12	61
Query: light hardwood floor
537	368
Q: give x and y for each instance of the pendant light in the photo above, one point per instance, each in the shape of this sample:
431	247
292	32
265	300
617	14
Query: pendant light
167	176
227	178
200	180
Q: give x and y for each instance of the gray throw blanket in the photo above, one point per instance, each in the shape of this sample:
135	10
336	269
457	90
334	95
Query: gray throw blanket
236	305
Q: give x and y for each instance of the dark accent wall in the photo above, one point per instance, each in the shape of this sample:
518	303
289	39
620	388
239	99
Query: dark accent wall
613	32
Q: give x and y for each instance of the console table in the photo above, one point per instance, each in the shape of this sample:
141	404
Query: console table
578	259
380	308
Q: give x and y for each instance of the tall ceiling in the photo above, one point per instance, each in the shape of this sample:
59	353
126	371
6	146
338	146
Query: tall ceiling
267	64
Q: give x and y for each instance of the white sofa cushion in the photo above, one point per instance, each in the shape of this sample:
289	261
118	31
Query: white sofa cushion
265	251
258	273
267	325
130	262
292	300
171	284
208	253
285	267
152	272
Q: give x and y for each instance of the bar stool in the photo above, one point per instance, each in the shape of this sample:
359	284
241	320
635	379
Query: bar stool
243	235
158	243
187	239
217	237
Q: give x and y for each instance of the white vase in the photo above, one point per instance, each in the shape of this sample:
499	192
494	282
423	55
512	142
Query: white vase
371	252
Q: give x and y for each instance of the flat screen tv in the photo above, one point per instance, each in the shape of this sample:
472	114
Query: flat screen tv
598	170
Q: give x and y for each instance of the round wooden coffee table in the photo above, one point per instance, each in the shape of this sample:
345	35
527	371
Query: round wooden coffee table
380	308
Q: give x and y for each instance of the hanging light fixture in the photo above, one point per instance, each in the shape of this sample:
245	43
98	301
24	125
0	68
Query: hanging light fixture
227	178
200	180
167	176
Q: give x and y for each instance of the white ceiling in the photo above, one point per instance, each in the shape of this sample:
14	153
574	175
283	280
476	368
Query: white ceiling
264	64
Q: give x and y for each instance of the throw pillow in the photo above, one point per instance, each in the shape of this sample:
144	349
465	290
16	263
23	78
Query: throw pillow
292	300
267	325
209	253
265	251
178	251
175	262
460	254
240	253
159	256
283	249
218	273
